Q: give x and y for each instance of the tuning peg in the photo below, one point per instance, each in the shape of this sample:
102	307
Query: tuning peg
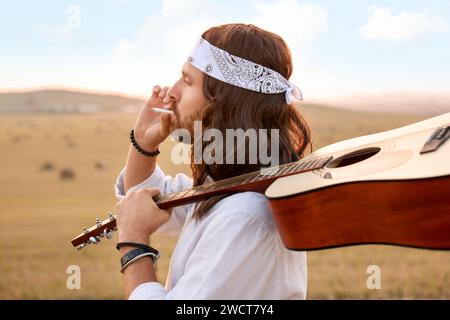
103	234
94	240
110	216
85	230
108	233
98	222
81	246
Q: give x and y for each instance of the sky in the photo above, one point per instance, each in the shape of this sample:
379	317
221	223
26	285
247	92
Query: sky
338	48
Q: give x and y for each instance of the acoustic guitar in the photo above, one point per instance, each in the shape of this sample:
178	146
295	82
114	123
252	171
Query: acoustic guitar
391	187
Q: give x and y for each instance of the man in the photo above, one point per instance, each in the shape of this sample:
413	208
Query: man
228	246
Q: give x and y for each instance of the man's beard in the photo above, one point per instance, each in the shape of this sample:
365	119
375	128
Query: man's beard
186	124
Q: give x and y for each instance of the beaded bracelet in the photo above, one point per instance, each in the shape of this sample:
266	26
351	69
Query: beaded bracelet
138	147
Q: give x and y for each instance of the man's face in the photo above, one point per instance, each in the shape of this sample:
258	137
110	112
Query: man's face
187	96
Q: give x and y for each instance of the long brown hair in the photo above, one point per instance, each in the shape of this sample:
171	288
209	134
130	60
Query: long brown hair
232	107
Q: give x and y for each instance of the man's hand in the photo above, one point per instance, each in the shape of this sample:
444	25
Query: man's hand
153	128
138	216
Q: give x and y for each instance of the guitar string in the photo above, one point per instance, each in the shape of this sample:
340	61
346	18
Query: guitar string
253	176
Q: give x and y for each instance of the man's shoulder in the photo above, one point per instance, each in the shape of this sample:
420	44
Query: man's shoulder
247	205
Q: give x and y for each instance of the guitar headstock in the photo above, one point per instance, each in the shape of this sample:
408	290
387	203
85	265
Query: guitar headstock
93	235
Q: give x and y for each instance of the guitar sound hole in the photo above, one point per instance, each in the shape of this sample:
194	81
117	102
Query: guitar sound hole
353	157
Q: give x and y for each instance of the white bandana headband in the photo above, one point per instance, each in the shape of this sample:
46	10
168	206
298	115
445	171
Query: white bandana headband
240	72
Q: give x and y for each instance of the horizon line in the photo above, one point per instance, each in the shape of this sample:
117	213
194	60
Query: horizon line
142	97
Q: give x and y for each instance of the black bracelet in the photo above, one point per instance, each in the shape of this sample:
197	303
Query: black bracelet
138	147
134	255
137	245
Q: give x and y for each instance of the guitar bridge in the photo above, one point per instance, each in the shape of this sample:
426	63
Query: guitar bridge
437	139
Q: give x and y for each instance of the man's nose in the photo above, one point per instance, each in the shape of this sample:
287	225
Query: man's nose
172	94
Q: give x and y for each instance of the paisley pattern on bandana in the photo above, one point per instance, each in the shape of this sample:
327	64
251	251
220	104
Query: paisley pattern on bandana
223	66
240	72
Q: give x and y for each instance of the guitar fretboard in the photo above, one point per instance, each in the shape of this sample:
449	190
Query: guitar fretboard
251	181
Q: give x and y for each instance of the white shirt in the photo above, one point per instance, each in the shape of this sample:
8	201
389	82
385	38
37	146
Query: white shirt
234	252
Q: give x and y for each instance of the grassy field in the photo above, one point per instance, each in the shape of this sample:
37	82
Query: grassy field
40	212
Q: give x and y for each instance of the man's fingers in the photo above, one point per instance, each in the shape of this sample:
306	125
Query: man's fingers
156	88
152	191
156	91
164	126
136	194
163	92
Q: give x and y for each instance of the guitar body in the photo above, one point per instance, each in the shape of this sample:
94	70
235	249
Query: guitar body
378	189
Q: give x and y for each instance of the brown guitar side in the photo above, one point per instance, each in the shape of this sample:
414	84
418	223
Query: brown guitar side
413	213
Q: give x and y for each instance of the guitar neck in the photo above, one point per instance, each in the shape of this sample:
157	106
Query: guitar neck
254	181
257	181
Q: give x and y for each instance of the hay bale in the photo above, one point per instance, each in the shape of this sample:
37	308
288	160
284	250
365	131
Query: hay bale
47	166
70	145
67	174
99	166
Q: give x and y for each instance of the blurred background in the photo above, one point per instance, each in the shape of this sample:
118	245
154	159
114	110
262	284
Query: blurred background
74	74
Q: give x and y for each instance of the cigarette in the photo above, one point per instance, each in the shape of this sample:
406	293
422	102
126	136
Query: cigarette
162	110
